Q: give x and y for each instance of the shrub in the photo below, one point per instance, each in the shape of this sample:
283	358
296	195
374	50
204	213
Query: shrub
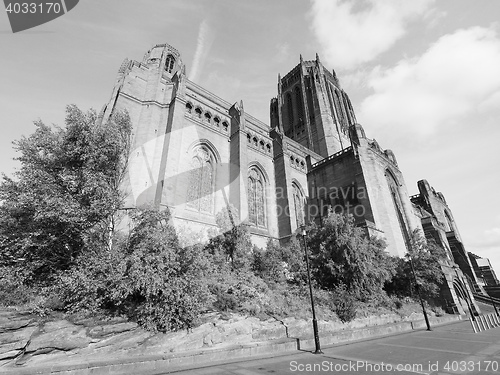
13	289
147	277
345	304
341	254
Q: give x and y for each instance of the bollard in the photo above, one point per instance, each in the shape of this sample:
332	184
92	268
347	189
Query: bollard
480	323
486	322
488	319
492	320
473	325
495	319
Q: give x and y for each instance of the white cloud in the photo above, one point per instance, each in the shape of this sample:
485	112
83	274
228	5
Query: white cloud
203	45
350	37
456	77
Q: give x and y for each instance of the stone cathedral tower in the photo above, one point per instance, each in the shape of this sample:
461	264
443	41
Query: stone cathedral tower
312	109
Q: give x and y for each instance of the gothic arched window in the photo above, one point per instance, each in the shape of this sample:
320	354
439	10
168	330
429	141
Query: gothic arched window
398	206
256	199
298	201
298	101
289	108
449	220
169	63
200	190
340	112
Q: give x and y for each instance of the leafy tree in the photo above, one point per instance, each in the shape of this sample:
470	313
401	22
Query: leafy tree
66	188
147	277
162	285
426	256
233	244
342	254
280	263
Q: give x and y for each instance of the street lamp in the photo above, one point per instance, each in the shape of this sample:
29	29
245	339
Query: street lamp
315	322
417	287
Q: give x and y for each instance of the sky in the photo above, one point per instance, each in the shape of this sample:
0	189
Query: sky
423	76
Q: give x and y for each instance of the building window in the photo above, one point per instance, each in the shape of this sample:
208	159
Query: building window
289	108
256	199
189	107
398	207
298	201
448	220
208	117
298	101
201	179
169	63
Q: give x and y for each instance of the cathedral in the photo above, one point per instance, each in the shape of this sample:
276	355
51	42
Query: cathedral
195	154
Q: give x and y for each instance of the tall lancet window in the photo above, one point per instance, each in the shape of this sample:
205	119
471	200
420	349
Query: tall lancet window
289	109
298	201
398	206
169	63
256	199
298	102
201	181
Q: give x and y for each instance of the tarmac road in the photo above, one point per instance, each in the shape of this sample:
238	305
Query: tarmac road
448	349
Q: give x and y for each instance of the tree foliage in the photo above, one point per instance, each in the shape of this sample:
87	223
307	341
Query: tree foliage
67	185
232	245
342	255
278	264
425	256
147	277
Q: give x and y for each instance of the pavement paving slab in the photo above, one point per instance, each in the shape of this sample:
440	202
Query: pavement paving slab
446	350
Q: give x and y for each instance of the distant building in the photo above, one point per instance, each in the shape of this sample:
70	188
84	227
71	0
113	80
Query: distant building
196	153
483	269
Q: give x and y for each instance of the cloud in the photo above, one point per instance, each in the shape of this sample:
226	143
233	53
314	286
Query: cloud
455	78
351	36
204	43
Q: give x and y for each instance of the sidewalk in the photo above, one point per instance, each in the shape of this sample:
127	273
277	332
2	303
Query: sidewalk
447	349
157	364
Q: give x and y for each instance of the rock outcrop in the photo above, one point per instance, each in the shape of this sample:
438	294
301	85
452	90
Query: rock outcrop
30	341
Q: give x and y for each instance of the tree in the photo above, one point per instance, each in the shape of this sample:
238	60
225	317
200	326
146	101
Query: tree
233	244
66	190
148	277
341	254
279	263
425	256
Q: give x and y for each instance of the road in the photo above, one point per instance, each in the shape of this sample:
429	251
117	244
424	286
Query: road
449	349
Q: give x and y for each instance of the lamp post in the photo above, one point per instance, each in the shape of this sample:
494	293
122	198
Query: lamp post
419	295
315	322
